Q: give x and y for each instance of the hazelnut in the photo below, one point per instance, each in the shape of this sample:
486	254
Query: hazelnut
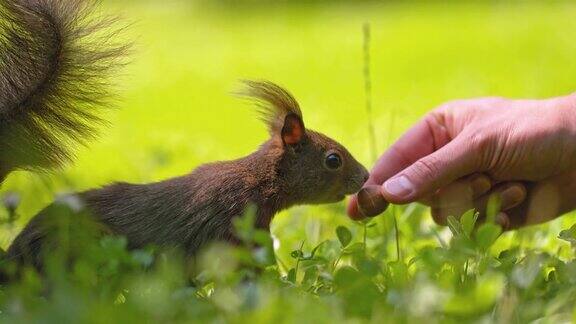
371	203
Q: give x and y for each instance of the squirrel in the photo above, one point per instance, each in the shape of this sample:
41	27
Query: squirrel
294	166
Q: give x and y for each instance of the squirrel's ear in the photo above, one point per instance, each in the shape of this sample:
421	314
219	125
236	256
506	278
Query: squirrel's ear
293	129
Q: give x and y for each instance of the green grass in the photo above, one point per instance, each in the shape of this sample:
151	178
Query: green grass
176	113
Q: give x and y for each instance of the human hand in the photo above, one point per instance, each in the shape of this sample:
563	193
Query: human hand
532	141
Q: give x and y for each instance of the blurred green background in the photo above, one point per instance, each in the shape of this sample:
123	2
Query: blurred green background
176	111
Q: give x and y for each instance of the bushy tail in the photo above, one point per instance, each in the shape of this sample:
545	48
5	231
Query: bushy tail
56	59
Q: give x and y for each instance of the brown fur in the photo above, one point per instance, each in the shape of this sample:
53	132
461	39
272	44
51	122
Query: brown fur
54	63
192	210
55	60
274	103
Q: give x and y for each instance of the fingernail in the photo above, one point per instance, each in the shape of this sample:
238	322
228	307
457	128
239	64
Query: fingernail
399	186
480	186
511	197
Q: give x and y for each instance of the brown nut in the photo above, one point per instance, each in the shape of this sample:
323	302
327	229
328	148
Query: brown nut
371	203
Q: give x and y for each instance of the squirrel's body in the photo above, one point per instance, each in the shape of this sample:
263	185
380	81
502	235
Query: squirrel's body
295	166
181	209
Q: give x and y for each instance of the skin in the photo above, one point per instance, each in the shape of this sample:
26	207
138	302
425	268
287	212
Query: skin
523	151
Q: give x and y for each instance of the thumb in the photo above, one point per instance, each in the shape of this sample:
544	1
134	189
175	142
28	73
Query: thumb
432	172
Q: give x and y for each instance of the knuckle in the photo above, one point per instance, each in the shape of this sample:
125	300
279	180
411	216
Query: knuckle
427	168
431	118
486	151
479	142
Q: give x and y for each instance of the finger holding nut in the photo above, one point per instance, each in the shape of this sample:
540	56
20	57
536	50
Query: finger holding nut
371	202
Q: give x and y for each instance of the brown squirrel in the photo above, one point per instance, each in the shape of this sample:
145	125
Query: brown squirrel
52	83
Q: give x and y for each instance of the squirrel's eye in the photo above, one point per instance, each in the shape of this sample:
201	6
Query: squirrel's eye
333	161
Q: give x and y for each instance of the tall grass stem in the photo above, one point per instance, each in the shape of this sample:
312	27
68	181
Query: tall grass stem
368	90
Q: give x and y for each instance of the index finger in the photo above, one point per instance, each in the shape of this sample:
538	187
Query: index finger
427	136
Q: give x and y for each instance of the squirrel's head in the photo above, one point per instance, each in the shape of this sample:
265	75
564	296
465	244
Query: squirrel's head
312	167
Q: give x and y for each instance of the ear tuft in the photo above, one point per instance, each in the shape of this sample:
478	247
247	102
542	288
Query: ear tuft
274	103
293	129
